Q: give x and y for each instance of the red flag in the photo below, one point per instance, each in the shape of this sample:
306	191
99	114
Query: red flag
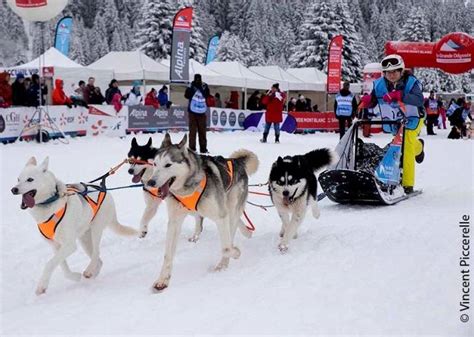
334	65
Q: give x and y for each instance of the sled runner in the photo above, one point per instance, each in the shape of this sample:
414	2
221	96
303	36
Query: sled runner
365	173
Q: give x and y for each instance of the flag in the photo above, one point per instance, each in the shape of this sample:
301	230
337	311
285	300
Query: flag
212	48
334	65
179	65
62	37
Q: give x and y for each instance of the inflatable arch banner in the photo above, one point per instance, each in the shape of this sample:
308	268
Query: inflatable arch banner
454	53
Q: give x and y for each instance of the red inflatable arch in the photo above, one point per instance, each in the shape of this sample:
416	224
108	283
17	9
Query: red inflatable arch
454	53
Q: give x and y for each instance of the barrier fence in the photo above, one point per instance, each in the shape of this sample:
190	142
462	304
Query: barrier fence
104	120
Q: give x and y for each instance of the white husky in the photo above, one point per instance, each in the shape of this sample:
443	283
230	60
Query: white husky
64	215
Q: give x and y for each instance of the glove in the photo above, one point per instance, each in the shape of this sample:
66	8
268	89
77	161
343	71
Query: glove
69	105
393	96
366	101
396	96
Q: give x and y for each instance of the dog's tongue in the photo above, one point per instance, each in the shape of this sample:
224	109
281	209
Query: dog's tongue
286	200
164	190
136	178
28	200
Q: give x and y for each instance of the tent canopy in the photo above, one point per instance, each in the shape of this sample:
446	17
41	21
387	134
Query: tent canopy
243	77
64	68
132	65
313	76
287	81
209	76
51	58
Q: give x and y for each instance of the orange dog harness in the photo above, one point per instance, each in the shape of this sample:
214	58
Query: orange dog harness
48	227
155	192
191	201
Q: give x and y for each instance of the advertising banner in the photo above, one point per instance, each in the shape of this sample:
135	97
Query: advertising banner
179	65
334	65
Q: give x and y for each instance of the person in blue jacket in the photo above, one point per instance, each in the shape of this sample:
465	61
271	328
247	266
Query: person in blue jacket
399	94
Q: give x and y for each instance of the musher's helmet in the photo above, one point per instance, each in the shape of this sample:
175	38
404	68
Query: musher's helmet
392	62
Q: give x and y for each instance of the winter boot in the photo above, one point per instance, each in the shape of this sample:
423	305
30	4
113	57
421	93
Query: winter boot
420	157
408	189
264	139
277	139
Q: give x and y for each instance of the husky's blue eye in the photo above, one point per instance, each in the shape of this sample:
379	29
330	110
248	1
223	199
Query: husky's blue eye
168	165
29	180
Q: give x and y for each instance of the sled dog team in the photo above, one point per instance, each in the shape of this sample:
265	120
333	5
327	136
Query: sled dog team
211	187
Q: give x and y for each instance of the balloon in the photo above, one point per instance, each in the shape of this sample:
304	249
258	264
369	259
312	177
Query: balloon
37	10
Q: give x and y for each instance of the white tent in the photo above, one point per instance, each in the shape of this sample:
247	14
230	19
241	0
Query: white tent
312	76
242	76
64	68
209	76
132	65
51	58
285	79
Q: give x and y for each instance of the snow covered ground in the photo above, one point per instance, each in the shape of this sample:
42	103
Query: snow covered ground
357	270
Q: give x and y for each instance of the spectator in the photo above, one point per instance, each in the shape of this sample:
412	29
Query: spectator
442	114
77	96
345	107
197	93
275	102
233	101
316	108
92	94
210	101
432	106
218	100
27	84
5	90
163	97
365	114
457	116
20	97
34	92
253	103
59	96
292	104
151	99
117	102
301	104
111	91
134	97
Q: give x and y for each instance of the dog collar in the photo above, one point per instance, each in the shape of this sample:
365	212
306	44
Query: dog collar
51	199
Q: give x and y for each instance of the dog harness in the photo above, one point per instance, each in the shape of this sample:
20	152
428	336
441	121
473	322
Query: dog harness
154	191
48	227
191	201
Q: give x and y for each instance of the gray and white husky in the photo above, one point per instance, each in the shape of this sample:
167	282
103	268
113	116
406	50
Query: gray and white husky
293	188
64	216
213	187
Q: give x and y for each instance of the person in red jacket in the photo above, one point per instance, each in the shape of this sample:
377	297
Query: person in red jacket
274	100
59	97
151	99
6	94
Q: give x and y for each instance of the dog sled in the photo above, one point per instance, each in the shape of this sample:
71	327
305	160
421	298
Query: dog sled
366	173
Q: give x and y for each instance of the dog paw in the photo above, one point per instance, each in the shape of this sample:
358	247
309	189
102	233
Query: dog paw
194	238
40	290
160	286
92	271
283	248
233	252
142	234
222	265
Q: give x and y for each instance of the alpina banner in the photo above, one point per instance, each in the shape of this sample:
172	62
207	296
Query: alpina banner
182	25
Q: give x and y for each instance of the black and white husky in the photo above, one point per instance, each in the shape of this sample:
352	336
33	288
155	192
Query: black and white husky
213	187
293	188
141	159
